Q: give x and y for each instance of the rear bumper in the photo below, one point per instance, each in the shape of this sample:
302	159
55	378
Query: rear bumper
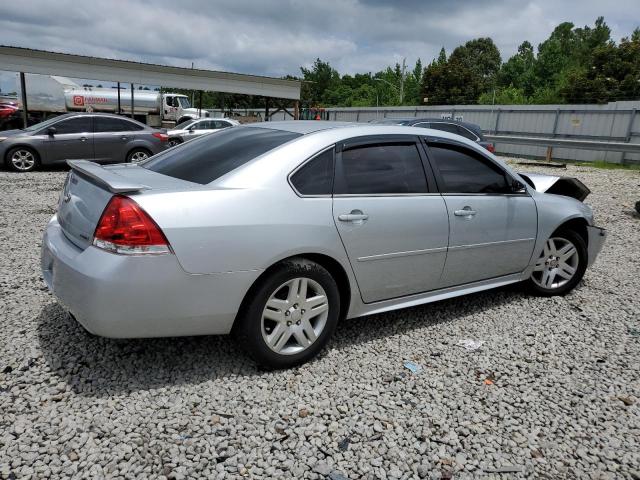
123	296
597	236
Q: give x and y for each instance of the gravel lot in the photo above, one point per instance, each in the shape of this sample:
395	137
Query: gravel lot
554	392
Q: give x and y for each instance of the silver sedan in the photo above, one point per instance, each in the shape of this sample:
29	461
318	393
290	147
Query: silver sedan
276	231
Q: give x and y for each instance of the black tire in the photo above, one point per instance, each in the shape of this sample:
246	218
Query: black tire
249	324
581	248
131	156
11	166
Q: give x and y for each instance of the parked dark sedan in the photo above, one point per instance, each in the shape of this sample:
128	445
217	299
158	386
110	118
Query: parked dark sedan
468	130
99	137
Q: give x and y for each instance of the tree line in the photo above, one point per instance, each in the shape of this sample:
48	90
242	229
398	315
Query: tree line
573	65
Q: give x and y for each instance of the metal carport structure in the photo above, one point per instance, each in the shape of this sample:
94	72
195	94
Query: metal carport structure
26	60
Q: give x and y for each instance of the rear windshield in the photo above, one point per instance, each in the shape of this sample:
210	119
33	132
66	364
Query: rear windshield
206	159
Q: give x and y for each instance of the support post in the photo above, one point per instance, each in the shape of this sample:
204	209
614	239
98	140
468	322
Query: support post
266	109
119	103
296	110
25	109
495	128
200	103
553	134
627	137
132	100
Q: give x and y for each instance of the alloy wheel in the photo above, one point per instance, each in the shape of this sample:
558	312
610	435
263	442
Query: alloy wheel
294	316
139	156
557	264
23	160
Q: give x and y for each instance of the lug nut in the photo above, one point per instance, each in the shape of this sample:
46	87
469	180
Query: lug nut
302	311
287	313
298	322
288	324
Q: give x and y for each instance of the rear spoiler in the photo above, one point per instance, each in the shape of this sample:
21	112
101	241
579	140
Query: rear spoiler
115	183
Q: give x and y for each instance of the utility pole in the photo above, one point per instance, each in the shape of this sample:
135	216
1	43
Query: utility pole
404	67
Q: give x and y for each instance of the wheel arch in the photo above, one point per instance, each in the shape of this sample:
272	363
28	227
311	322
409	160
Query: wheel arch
333	266
4	160
22	145
578	225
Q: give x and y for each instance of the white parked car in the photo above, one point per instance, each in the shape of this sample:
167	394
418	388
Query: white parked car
194	128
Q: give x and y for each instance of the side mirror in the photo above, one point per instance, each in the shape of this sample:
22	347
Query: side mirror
518	187
51	131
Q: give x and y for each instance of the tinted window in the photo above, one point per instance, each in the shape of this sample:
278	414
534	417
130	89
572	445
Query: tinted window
464	171
204	125
110	124
74	125
316	176
381	168
221	124
466	133
209	157
446	127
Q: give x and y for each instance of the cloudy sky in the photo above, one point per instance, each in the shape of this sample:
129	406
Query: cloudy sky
271	37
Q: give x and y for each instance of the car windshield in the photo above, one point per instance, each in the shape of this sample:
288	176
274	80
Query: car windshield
211	156
45	124
184	102
184	125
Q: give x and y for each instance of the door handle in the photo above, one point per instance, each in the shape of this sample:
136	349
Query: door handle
354	216
465	212
83	139
124	137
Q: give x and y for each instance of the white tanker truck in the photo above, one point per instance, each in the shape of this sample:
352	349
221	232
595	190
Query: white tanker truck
51	95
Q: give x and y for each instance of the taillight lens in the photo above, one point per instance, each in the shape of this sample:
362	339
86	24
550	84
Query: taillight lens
163	137
126	228
491	148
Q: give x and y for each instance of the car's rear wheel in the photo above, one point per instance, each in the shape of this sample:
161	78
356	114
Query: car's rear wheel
290	315
561	264
138	155
22	159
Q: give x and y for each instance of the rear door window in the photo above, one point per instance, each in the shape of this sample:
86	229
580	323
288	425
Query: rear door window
445	127
110	124
384	168
467	133
209	157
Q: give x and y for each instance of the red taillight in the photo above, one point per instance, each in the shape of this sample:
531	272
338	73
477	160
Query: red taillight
126	228
491	148
163	137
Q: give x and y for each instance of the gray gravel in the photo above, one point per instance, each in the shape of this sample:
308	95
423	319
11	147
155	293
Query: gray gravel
554	391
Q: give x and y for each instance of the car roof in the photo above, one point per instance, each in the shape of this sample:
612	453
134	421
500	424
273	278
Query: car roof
301	126
411	120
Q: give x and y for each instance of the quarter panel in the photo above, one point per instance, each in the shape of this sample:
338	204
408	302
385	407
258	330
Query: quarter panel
226	230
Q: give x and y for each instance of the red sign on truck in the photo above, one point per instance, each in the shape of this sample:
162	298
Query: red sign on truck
78	100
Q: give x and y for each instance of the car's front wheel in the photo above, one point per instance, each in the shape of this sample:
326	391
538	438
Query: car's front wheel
22	159
561	264
290	316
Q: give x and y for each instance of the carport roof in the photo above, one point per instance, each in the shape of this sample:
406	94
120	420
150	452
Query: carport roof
78	66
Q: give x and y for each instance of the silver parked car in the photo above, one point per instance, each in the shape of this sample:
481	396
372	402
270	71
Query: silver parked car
194	128
101	137
275	231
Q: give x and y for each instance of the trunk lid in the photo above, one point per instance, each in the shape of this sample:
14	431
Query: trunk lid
89	187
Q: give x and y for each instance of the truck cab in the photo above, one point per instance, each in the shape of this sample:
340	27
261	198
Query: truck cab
177	108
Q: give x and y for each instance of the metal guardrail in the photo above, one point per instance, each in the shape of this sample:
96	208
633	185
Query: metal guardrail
566	143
